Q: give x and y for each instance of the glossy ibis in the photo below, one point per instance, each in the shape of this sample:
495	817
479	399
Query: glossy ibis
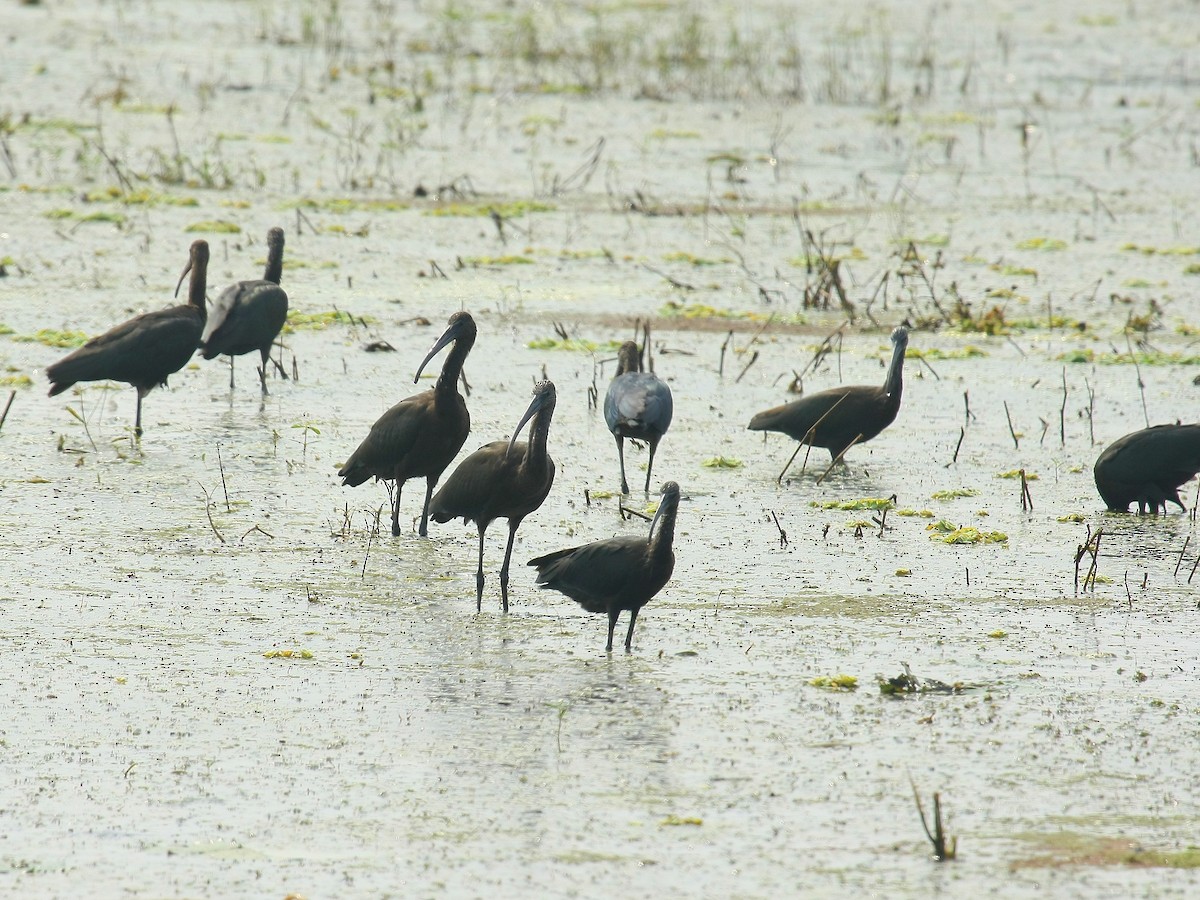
1148	467
248	315
840	417
618	573
502	478
420	435
638	405
148	348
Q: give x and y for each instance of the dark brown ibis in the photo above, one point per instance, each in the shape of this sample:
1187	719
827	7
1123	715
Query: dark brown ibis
502	478
1147	467
638	405
148	348
420	435
840	417
249	315
618	573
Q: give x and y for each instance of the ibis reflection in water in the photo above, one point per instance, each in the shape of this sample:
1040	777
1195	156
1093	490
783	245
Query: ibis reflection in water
638	405
421	435
1148	467
618	573
503	478
839	418
248	315
148	348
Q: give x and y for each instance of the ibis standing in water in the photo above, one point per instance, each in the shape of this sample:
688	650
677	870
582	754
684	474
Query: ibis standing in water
618	573
841	417
421	435
1148	467
502	478
638	405
147	349
249	315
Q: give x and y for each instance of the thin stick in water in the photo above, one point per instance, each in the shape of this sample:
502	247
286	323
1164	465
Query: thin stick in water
1011	430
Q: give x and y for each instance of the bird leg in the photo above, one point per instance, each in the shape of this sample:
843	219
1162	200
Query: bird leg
231	372
650	465
262	370
396	509
613	612
479	573
429	483
137	421
621	455
629	634
512	535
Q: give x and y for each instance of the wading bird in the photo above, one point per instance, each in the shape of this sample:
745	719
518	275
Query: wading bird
619	573
502	478
638	405
420	435
148	348
1148	467
248	315
840	417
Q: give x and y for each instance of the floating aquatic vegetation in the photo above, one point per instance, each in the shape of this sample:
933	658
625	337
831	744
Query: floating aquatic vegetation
970	351
476	262
954	493
1072	517
692	259
298	321
998	633
1042	243
350	204
288	654
214	226
722	462
903	573
674	820
1160	251
908	683
53	338
908	511
839	682
1016	473
948	533
862	503
1154	358
509	210
577	345
15	381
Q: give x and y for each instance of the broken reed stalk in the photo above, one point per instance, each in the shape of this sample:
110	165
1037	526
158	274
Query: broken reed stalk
1011	430
1062	412
962	433
257	528
208	512
837	459
753	360
944	847
370	540
221	466
1141	384
1183	550
1193	572
808	436
1091	412
724	347
1026	497
968	416
1090	547
12	395
783	538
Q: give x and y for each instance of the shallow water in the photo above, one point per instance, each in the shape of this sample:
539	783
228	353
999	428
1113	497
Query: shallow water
411	747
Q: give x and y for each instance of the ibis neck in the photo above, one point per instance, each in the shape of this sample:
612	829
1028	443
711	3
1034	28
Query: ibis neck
274	270
895	376
452	368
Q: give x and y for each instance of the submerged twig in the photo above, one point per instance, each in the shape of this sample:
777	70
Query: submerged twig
962	433
944	846
12	395
1011	430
